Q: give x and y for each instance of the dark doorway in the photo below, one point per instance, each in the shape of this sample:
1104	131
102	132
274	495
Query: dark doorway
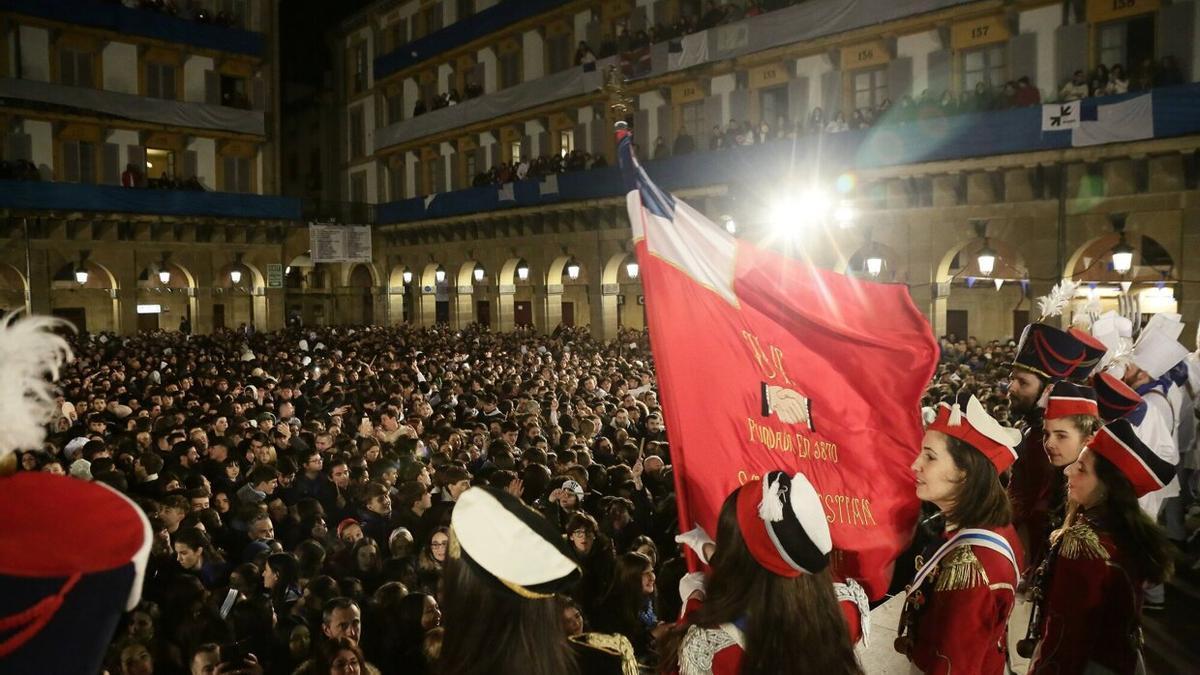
147	322
956	323
1020	320
568	314
368	308
483	312
76	315
218	317
441	311
522	313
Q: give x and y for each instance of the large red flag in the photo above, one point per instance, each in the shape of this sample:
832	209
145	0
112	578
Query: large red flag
768	363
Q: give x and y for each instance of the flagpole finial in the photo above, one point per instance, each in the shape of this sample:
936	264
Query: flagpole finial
620	103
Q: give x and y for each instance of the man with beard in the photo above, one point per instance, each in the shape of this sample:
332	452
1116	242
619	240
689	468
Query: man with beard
1045	355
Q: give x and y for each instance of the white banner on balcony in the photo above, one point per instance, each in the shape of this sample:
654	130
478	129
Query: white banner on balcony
692	51
339	243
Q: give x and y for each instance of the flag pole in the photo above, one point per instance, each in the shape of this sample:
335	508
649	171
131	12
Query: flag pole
621	108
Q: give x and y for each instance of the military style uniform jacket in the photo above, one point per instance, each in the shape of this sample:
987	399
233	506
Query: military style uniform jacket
957	618
1030	489
1092	607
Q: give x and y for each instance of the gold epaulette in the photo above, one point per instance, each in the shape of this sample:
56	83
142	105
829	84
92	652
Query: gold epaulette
617	645
1080	542
960	570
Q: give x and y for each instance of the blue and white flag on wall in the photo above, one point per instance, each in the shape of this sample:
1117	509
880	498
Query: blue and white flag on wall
1129	120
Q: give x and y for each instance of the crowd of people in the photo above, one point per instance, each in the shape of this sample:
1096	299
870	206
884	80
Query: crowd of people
301	484
134	177
19	169
1107	81
539	167
192	10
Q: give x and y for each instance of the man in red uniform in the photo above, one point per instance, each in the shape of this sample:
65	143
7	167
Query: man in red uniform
1045	355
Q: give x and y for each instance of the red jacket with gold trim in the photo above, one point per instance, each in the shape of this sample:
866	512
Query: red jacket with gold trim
962	621
1093	607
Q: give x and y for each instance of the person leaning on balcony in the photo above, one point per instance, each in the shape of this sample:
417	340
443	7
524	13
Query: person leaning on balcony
1075	89
1027	95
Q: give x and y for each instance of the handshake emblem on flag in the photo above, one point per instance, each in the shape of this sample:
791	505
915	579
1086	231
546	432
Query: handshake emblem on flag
789	405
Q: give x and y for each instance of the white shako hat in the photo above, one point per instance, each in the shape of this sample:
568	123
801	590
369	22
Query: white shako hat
512	544
1157	349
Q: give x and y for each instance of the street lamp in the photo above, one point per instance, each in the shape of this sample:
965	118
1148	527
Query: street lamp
407	277
874	264
1122	256
987	259
478	273
81	275
632	269
440	274
164	276
573	270
235	276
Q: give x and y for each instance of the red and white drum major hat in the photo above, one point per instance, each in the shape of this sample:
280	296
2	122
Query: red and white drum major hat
72	554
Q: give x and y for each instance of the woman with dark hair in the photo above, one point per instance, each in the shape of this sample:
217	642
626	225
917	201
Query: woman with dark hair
769	570
415	615
501	581
1091	587
281	578
628	607
957	607
431	560
341	657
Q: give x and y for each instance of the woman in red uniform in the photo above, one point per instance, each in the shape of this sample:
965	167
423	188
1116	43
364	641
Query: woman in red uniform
769	606
1108	547
957	607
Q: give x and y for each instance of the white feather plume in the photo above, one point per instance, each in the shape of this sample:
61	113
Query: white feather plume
771	507
1057	300
29	351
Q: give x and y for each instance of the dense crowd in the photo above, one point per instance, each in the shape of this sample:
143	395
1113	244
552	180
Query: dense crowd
299	484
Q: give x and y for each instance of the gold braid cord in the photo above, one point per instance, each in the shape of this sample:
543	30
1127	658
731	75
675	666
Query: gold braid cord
960	570
1080	542
617	645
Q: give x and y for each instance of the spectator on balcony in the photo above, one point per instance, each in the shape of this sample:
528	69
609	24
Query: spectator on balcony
1118	82
712	17
522	168
584	54
983	100
473	89
419	108
717	140
816	121
753	8
838	124
660	151
684	143
1007	97
1075	89
1169	73
764	132
1098	84
858	120
453	98
132	177
1027	95
948	105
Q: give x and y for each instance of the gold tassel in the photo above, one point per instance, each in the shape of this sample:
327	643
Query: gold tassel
1080	542
960	570
617	645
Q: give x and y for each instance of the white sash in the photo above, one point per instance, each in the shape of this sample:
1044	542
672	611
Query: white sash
973	537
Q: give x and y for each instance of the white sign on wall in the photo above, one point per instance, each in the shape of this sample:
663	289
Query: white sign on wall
339	243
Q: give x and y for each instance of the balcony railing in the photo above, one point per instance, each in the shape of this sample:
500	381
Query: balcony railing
142	108
348	213
37	196
1170	112
790	25
142	23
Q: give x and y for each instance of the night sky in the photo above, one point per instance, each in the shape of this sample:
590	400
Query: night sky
304	27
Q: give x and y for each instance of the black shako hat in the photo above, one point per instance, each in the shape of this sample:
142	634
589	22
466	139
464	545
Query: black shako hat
498	535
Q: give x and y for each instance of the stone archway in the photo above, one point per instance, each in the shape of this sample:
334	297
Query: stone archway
971	302
1149	280
14	290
